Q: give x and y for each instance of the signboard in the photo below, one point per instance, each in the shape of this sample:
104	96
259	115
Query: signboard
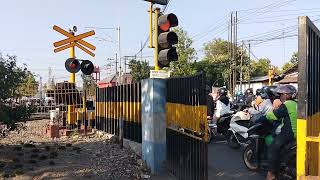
73	40
160	74
161	2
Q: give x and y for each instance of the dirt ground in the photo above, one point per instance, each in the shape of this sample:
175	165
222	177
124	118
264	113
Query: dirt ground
27	154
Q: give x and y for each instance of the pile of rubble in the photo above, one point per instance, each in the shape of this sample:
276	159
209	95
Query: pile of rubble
27	154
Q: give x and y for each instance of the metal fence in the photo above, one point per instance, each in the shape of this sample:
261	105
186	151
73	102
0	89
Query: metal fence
123	101
186	111
309	99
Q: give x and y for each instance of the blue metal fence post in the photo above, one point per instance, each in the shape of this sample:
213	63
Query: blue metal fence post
153	104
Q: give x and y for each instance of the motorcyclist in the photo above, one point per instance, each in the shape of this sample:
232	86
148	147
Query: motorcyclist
223	104
249	97
210	103
287	115
262	104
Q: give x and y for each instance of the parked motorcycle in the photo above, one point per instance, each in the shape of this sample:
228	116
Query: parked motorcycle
255	153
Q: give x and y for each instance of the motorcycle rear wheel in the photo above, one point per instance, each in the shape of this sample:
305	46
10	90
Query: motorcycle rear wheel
250	157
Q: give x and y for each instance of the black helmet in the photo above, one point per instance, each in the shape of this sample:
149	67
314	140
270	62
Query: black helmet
286	89
258	92
267	92
223	92
249	92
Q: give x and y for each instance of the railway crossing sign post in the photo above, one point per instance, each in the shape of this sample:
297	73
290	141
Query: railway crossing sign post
71	41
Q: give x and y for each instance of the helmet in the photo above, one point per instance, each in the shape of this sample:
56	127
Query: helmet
286	89
249	92
267	92
239	93
223	91
258	92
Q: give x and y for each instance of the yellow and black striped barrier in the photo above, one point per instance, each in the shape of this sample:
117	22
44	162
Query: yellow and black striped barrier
187	127
113	103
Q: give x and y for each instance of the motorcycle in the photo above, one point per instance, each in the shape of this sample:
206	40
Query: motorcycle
238	134
220	127
212	129
255	153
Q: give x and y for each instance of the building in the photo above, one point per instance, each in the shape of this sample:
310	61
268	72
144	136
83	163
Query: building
114	80
288	77
255	83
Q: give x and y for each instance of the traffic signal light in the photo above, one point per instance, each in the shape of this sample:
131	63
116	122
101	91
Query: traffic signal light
73	66
87	67
166	39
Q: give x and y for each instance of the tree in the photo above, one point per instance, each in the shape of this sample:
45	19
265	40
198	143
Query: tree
89	85
293	61
260	67
218	59
11	77
139	70
187	55
29	86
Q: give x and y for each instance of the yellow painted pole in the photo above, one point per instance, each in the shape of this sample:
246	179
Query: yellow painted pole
72	115
301	147
270	77
156	46
150	26
72	75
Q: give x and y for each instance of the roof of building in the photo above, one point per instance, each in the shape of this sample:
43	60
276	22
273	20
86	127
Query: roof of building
113	78
258	79
289	79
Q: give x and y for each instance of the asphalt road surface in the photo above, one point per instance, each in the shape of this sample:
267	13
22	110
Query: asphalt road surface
225	163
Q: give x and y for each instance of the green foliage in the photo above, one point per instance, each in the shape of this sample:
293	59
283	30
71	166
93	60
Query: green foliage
260	67
293	61
187	55
20	113
29	86
294	58
89	85
139	70
11	77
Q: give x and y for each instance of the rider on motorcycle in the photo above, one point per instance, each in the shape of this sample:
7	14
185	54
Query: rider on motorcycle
249	97
210	103
262	104
223	104
287	115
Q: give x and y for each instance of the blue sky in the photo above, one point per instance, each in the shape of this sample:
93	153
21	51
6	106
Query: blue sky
26	27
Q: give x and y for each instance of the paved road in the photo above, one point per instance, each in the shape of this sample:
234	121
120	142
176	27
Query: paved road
227	164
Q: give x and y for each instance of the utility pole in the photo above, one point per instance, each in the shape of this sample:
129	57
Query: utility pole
119	52
141	51
234	56
236	52
249	74
231	52
116	64
241	59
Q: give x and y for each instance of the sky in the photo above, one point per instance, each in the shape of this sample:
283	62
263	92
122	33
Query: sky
26	28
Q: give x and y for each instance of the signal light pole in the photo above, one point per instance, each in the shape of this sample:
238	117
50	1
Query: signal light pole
72	55
156	45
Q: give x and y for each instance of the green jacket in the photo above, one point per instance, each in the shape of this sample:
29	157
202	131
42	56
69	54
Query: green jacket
287	112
